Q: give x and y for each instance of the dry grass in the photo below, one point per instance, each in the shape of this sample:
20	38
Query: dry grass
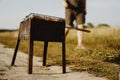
102	56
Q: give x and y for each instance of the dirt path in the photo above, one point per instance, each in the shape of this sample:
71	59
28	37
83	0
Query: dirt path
19	71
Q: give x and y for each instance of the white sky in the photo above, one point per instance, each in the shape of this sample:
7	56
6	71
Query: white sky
98	11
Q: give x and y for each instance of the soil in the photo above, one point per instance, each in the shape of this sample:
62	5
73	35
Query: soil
20	70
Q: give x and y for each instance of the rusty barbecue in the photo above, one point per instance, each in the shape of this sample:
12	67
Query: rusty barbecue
38	27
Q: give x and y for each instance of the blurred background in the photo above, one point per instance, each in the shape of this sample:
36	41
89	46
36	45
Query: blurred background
98	11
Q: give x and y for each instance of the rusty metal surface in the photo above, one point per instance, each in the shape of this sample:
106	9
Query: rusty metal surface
42	28
24	32
44	17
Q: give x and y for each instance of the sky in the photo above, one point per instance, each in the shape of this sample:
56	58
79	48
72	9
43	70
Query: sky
12	12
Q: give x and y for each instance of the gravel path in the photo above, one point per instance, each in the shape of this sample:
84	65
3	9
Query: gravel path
19	71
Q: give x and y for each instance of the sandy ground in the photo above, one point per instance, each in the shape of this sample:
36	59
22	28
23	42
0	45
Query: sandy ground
19	71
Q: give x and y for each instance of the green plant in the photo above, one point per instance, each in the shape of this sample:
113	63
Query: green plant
101	57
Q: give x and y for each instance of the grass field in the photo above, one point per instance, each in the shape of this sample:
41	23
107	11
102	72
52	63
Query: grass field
101	56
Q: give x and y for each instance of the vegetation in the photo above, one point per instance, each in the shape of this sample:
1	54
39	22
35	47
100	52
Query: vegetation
103	25
101	56
6	30
90	25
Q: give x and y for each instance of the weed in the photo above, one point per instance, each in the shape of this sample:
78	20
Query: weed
102	56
